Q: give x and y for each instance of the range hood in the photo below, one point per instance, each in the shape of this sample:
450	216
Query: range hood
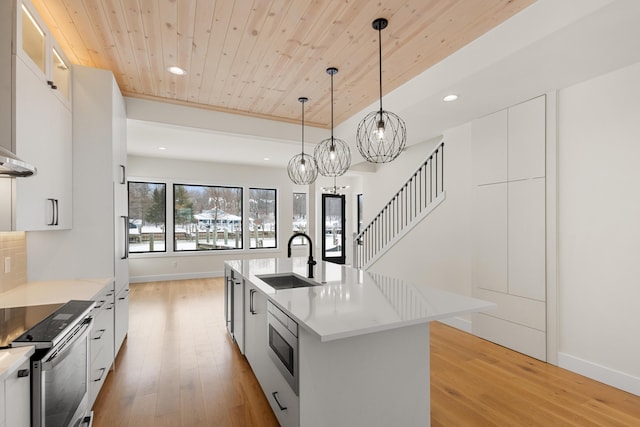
12	166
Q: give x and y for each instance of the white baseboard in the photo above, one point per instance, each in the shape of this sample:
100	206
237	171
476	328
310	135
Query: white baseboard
458	323
181	276
605	375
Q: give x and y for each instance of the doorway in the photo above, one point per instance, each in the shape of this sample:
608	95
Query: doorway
333	227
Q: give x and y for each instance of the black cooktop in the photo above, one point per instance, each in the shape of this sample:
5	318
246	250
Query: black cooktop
56	325
14	321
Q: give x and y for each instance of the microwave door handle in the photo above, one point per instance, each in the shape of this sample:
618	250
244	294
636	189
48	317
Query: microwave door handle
58	354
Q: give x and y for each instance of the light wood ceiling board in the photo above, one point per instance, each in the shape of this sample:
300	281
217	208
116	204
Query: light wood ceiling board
114	17
153	40
132	17
201	34
306	52
185	32
233	45
221	18
273	61
243	56
100	23
167	14
265	30
287	63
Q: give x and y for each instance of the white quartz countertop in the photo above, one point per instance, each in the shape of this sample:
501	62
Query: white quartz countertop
51	292
12	358
352	302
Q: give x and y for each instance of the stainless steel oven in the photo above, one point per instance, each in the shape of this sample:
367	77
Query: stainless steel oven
283	344
60	366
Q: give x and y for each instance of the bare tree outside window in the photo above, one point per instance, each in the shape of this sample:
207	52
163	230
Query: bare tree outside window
207	217
147	217
299	216
262	218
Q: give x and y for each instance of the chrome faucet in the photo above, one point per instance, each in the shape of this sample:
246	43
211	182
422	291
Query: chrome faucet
311	262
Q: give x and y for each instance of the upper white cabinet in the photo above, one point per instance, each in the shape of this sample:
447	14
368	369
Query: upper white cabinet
489	147
36	119
526	138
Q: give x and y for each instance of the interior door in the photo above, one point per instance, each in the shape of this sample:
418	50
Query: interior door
333	226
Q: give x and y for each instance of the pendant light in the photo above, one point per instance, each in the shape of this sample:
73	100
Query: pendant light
302	168
332	154
381	135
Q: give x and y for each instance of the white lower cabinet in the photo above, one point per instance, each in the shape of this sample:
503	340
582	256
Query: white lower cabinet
255	329
121	317
101	344
17	389
284	402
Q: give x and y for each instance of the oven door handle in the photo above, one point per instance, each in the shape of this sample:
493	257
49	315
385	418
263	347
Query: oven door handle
60	352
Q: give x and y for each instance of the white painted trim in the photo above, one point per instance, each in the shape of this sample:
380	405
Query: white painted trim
434	204
551	207
182	276
605	375
458	323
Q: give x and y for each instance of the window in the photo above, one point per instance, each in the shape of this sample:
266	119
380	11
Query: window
299	217
147	217
207	217
262	218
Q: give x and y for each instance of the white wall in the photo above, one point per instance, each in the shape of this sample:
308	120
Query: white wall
437	251
163	266
599	231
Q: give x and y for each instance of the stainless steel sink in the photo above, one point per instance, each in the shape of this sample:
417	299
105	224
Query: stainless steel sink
286	281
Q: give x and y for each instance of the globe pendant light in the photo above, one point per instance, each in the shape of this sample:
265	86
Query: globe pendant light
381	135
302	168
332	154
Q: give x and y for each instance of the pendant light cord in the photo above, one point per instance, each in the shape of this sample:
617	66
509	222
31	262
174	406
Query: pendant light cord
302	102
332	109
380	64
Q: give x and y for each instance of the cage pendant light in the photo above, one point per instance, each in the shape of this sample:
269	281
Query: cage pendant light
302	168
381	135
332	154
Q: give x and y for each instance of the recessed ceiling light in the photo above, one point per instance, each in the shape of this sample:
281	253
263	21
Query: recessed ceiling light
176	70
450	97
266	159
162	148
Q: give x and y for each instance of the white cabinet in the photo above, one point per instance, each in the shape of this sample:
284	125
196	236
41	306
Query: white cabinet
489	148
527	135
17	389
99	137
255	329
101	343
284	402
121	316
36	120
238	311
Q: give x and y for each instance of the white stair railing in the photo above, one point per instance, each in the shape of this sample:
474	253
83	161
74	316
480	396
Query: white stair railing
422	193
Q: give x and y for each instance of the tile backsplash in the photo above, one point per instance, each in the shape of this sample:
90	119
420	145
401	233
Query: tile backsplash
13	245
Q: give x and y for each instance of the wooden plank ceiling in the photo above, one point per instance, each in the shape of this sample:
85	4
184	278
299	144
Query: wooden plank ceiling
256	57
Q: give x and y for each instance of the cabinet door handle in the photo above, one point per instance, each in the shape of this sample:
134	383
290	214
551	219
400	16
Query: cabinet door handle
126	237
51	84
53	212
102	331
102	371
252	292
57	213
22	373
275	396
123	174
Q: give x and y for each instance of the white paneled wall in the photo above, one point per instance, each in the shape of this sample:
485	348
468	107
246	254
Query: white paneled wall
508	232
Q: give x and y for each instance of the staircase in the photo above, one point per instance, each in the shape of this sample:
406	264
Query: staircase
417	198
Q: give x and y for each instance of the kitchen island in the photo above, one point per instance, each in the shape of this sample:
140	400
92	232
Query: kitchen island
362	342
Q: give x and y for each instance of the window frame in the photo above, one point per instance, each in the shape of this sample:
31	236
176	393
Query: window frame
163	184
275	216
213	249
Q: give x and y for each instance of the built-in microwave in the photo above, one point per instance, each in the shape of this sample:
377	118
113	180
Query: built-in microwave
283	344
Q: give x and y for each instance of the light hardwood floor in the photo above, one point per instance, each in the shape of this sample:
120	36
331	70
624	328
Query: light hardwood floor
178	367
